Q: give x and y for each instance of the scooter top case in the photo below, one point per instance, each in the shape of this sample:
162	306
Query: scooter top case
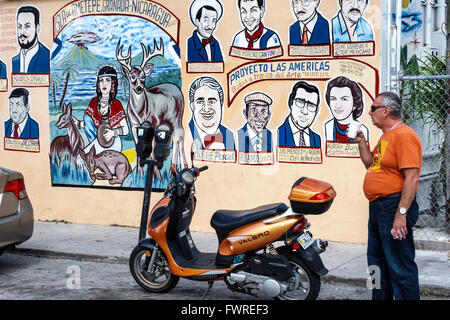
311	196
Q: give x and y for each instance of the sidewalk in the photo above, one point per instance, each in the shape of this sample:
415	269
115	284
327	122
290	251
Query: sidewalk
346	263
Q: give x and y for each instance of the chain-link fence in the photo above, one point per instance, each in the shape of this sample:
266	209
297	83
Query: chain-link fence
426	109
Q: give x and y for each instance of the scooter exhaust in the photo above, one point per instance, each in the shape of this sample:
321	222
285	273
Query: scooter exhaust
319	245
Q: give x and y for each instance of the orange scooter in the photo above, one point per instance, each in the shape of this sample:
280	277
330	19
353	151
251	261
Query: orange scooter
249	258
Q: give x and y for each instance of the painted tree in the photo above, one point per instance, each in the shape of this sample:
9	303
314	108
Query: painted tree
69	72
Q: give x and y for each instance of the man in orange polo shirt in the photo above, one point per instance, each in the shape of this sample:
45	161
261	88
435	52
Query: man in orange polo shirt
390	184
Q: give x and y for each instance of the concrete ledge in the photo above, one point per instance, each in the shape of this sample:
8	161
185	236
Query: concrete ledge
432	245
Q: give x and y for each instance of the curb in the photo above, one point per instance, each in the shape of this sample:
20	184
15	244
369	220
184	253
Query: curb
65	255
425	290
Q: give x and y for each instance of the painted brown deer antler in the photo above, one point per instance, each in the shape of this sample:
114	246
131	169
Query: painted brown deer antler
157	51
125	61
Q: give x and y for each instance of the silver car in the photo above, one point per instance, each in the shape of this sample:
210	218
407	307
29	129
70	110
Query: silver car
16	212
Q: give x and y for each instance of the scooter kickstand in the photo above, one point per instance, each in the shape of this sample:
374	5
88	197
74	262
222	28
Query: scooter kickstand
210	284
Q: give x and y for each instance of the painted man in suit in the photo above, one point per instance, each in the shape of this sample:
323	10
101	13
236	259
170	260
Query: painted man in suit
33	56
254	136
206	98
20	125
349	25
255	35
303	103
311	28
202	46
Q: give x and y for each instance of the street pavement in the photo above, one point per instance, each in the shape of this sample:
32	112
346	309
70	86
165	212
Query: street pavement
347	263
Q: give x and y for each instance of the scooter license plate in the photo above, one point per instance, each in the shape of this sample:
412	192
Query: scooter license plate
305	240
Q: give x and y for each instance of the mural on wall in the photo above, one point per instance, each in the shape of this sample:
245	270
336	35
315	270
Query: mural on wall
33	57
345	100
309	35
254	138
116	64
295	132
203	49
352	34
99	95
255	41
21	130
212	140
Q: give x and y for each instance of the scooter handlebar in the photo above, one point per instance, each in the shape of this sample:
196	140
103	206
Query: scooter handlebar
203	168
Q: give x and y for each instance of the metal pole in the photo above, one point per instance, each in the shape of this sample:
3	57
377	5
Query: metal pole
146	203
389	46
398	24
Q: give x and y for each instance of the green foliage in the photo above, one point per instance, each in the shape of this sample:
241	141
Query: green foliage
425	100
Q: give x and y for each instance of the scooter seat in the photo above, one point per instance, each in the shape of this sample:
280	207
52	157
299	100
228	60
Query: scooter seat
224	221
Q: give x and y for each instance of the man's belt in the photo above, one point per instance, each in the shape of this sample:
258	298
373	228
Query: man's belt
389	196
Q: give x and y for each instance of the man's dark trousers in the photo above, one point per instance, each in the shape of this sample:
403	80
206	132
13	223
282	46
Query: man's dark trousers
395	258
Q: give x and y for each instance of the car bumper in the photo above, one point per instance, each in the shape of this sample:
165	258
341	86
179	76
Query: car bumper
18	227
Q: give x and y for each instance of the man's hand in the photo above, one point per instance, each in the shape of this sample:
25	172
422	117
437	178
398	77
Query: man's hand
364	151
399	229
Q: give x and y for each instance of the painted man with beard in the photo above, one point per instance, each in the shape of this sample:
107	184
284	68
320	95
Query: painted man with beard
202	46
254	136
20	125
254	35
349	25
206	100
33	56
311	28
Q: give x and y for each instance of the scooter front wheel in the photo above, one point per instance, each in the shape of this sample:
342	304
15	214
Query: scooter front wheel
158	279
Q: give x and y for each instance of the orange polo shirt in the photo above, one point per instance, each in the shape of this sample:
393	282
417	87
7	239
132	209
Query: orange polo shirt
397	149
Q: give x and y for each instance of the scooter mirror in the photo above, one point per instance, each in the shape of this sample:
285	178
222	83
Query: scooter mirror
145	134
163	135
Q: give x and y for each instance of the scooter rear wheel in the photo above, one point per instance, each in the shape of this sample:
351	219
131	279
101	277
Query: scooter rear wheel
157	280
304	283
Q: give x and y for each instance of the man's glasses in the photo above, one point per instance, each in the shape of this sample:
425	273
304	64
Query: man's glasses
374	108
301	103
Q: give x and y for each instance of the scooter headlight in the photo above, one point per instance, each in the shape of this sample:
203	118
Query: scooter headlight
188	177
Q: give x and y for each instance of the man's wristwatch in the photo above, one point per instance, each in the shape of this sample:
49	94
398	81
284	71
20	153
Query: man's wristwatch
402	210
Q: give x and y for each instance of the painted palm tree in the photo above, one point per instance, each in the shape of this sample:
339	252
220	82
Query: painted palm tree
69	72
55	81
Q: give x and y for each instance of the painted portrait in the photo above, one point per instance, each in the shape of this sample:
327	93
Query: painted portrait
303	104
311	28
349	25
33	56
344	98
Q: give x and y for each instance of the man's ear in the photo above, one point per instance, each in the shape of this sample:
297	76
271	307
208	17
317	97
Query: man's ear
263	11
245	113
38	28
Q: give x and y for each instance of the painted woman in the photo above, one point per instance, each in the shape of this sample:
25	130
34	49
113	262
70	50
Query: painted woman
104	119
345	100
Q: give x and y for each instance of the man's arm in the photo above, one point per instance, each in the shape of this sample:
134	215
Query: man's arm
410	185
364	151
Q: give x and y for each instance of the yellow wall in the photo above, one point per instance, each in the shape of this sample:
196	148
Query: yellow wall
223	186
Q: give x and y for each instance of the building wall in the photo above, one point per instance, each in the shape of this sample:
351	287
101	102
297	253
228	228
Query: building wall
225	185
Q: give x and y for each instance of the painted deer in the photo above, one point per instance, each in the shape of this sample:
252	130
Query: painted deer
161	103
113	166
70	145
